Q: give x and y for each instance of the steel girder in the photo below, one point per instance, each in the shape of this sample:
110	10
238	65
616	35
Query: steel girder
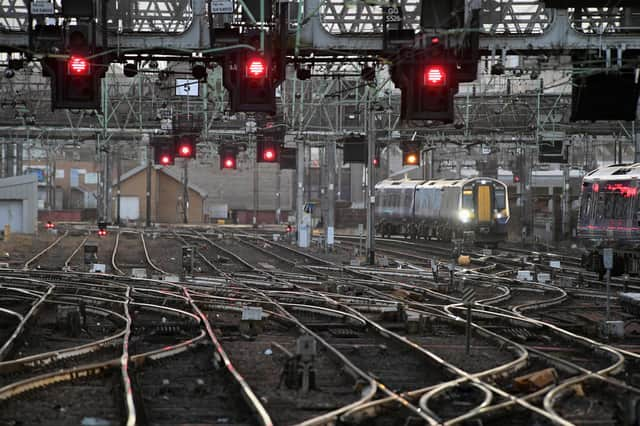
351	27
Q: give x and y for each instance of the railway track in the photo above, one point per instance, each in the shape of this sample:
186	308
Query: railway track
389	341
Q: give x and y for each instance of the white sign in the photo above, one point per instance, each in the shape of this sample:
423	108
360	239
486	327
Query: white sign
330	236
555	264
221	6
59	174
251	313
525	275
544	277
41	7
98	268
187	87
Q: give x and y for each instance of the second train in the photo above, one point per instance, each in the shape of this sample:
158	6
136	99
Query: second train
471	208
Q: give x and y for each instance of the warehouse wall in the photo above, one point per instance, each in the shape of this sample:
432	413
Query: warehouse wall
25	190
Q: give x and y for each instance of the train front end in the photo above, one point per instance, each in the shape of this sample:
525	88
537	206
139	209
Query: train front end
484	210
610	218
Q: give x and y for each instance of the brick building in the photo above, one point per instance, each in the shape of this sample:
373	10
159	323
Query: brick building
166	196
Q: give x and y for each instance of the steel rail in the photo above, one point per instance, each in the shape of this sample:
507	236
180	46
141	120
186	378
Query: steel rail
146	255
329	418
124	365
253	401
53	244
114	253
71	352
372	383
35	307
77	249
14	389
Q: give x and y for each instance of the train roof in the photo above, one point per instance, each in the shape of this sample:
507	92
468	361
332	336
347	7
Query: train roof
615	172
436	183
398	183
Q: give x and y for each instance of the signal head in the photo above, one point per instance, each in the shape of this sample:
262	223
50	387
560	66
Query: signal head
434	76
184	150
78	66
165	159
256	67
269	155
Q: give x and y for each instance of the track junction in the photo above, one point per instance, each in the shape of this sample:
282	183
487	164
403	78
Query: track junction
261	332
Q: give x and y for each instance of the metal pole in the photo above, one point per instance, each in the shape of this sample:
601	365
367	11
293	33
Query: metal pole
256	195
607	317
148	201
300	185
185	192
636	143
278	172
107	186
566	196
370	202
331	195
119	177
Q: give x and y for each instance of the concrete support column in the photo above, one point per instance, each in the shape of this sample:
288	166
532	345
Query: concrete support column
330	195
300	150
566	203
148	193
371	201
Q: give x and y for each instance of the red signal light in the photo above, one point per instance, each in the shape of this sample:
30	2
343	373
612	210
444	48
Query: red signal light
376	162
165	159
435	76
50	225
78	66
102	232
184	150
256	68
269	155
516	178
229	163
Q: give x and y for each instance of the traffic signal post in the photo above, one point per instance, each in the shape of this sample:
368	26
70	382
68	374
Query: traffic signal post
371	199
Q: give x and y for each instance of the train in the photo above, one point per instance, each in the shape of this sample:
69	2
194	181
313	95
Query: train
609	217
446	209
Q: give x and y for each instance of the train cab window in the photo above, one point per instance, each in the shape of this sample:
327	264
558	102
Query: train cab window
467	198
616	200
500	198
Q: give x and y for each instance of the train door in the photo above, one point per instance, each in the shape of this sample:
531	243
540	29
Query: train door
484	203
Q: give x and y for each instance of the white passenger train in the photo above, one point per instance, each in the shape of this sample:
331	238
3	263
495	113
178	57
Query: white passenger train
443	209
610	217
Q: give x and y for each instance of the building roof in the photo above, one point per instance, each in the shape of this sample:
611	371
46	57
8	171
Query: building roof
18	180
169	171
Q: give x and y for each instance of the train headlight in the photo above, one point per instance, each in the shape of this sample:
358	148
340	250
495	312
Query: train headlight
498	215
464	215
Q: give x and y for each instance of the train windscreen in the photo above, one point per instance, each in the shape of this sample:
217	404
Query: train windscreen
500	198
608	200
